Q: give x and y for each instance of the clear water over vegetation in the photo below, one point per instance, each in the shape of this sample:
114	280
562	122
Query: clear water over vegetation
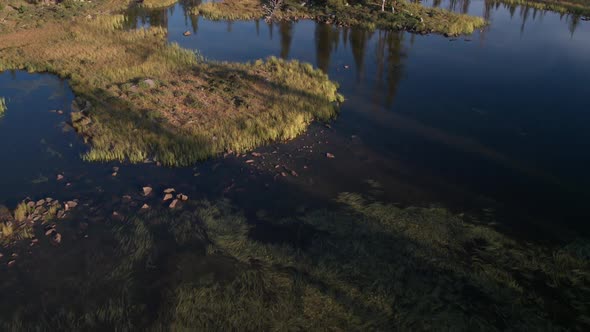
453	180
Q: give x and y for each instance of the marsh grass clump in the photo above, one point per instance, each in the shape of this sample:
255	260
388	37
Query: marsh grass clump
14	226
3	107
368	15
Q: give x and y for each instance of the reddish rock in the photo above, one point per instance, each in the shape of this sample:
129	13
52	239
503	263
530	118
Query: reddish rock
147	191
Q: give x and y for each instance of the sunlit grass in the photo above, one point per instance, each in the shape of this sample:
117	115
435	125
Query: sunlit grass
14	228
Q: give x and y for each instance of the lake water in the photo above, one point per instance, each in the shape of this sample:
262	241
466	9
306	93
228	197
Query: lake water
495	120
495	124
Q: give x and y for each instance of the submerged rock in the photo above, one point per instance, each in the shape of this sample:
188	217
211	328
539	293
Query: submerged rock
187	33
145	207
71	205
11	263
174	204
147	191
56	239
329	155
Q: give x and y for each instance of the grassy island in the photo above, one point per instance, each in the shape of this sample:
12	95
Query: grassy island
389	15
141	98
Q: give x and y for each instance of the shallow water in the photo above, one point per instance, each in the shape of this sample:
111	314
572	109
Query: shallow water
494	120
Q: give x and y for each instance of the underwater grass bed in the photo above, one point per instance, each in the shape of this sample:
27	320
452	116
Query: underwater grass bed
368	265
143	98
404	16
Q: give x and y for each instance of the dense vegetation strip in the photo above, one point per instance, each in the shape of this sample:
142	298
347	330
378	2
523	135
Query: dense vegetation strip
142	98
391	15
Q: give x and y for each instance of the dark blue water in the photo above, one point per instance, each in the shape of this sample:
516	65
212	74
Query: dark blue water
498	119
35	142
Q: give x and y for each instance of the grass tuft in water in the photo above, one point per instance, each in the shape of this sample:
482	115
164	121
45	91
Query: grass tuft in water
3	107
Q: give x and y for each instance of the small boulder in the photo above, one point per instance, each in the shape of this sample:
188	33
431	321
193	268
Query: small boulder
329	155
169	191
187	33
150	83
182	197
168	197
145	207
11	263
60	177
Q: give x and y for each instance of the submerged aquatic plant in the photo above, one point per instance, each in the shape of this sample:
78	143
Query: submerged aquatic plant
364	265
